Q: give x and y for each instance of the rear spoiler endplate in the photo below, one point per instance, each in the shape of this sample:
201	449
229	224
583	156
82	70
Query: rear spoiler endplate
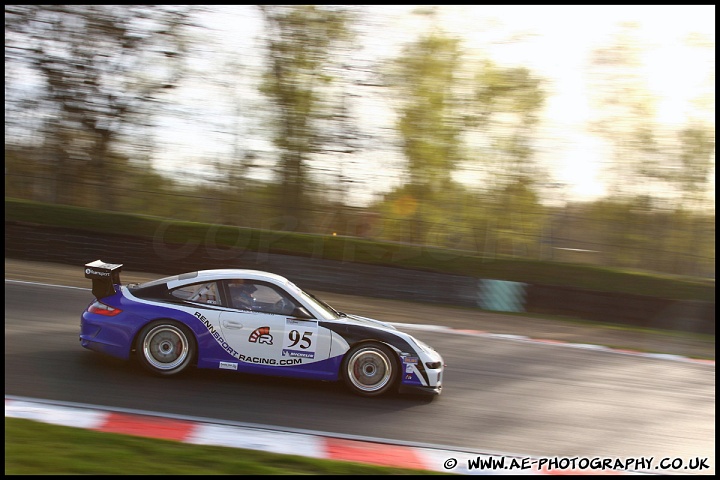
104	277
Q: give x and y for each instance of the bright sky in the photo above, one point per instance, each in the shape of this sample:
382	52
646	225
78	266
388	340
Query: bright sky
554	42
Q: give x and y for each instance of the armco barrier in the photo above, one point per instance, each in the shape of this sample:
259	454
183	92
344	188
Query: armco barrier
77	247
635	310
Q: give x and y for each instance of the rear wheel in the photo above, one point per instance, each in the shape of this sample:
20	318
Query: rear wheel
370	369
165	347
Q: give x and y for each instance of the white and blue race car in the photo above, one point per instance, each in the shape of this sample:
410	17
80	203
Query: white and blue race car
254	322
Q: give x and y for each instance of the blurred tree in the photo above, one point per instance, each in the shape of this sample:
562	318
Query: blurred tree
665	161
697	159
658	171
93	74
429	124
444	110
631	233
506	104
685	165
303	42
626	111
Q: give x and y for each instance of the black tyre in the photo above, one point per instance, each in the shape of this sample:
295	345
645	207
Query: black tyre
165	347
370	369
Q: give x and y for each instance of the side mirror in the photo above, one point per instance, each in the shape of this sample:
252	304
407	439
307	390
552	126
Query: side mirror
300	312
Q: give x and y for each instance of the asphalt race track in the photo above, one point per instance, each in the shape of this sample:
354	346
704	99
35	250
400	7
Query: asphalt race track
499	395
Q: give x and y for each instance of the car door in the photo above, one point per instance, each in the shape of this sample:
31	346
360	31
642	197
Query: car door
262	329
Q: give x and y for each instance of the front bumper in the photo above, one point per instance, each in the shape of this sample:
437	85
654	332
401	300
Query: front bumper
419	390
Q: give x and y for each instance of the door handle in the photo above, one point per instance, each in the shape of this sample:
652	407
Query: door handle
232	324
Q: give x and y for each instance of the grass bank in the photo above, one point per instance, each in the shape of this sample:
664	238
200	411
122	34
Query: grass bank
34	448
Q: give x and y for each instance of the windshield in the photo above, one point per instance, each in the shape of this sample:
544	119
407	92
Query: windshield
328	312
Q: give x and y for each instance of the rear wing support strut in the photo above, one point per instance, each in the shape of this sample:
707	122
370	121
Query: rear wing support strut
104	277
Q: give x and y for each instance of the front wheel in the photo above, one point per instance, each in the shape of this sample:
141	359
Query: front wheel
165	347
370	369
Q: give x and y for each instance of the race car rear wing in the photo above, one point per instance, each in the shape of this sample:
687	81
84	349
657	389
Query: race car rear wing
104	277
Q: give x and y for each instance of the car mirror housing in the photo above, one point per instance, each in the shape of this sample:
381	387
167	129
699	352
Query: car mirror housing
301	312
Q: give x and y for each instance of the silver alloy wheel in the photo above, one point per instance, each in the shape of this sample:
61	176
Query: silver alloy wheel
369	369
165	347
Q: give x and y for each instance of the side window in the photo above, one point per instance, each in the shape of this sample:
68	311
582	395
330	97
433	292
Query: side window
242	294
259	297
199	292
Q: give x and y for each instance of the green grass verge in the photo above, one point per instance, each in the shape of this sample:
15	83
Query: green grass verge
34	448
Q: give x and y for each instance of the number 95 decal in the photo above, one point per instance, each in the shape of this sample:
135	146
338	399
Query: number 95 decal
303	339
298	340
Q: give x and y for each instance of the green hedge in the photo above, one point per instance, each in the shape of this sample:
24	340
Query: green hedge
358	250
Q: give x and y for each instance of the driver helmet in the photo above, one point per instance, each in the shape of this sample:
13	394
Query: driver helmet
243	289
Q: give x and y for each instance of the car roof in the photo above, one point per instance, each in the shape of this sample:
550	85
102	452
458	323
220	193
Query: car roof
240	273
224	273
